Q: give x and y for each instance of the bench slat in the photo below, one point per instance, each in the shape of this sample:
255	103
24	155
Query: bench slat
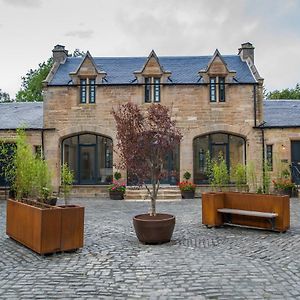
247	213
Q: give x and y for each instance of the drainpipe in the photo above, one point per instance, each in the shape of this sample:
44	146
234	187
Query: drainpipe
261	127
254	105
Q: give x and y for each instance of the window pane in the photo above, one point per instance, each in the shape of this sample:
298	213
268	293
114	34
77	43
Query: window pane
105	160
82	90
70	148
236	151
87	139
201	147
92	91
156	89
212	85
221	89
148	89
219	138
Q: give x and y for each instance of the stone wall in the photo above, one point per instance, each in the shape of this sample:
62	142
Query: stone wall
190	106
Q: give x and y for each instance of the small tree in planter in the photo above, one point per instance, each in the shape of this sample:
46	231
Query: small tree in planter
41	227
187	188
239	175
219	173
67	179
144	140
117	189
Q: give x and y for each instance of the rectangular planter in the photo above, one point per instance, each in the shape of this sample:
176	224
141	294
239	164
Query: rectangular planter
211	202
45	230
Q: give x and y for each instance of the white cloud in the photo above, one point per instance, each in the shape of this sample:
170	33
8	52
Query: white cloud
24	3
81	34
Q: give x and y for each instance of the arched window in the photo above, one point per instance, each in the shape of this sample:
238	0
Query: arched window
89	156
231	147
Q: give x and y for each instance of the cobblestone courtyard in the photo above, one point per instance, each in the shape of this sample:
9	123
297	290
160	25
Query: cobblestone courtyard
199	263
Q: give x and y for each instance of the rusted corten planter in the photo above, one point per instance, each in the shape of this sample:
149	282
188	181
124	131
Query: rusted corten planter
276	204
154	229
45	229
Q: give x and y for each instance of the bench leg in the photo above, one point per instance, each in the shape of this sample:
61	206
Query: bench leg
272	222
227	218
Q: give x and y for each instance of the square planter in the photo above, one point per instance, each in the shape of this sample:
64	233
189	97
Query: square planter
45	229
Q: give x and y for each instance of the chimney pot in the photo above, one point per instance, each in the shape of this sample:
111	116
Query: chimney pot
247	51
59	54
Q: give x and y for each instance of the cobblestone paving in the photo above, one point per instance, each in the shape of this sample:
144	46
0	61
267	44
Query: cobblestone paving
199	263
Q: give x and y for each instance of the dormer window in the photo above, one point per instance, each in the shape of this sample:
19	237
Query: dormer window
152	89
217	94
87	90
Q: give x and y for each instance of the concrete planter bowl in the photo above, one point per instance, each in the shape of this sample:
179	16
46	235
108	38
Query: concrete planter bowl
154	229
188	194
116	195
44	228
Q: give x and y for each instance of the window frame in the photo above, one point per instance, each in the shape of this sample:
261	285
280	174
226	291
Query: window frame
217	89
152	89
212	89
83	90
222	96
87	90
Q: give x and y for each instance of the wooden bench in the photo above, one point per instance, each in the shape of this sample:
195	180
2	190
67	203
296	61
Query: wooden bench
228	212
252	210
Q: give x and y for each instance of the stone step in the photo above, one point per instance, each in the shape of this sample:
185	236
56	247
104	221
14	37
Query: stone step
4	193
164	193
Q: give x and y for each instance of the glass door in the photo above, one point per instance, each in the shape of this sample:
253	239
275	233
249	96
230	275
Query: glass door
295	160
87	158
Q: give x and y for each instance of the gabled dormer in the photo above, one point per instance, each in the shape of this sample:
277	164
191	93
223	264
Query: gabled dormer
152	75
217	74
88	69
87	76
217	67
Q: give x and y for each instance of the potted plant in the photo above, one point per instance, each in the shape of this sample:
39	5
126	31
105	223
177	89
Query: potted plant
187	188
144	140
284	186
40	227
117	189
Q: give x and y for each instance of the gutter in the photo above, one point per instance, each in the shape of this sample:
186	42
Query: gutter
28	129
142	84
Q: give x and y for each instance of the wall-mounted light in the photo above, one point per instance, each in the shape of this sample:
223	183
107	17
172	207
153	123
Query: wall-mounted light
283	147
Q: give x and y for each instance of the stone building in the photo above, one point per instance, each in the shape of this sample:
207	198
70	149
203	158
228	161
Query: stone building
216	100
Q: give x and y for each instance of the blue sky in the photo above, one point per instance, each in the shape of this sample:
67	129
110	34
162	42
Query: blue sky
30	28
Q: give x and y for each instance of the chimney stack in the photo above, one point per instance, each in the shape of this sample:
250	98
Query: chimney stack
59	54
247	51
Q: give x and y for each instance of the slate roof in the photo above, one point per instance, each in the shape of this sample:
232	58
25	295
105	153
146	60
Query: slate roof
277	113
285	113
18	114
184	69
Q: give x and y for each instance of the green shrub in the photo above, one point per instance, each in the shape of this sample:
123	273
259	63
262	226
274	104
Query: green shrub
187	175
239	175
220	173
67	178
117	175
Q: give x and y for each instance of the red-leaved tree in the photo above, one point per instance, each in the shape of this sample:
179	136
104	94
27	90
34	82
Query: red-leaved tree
144	140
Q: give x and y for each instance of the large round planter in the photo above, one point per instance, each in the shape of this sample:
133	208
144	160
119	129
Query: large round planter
188	194
154	229
116	195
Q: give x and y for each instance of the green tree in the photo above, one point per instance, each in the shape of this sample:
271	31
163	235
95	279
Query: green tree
285	93
32	83
4	97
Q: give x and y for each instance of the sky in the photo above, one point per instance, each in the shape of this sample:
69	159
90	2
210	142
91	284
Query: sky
29	29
